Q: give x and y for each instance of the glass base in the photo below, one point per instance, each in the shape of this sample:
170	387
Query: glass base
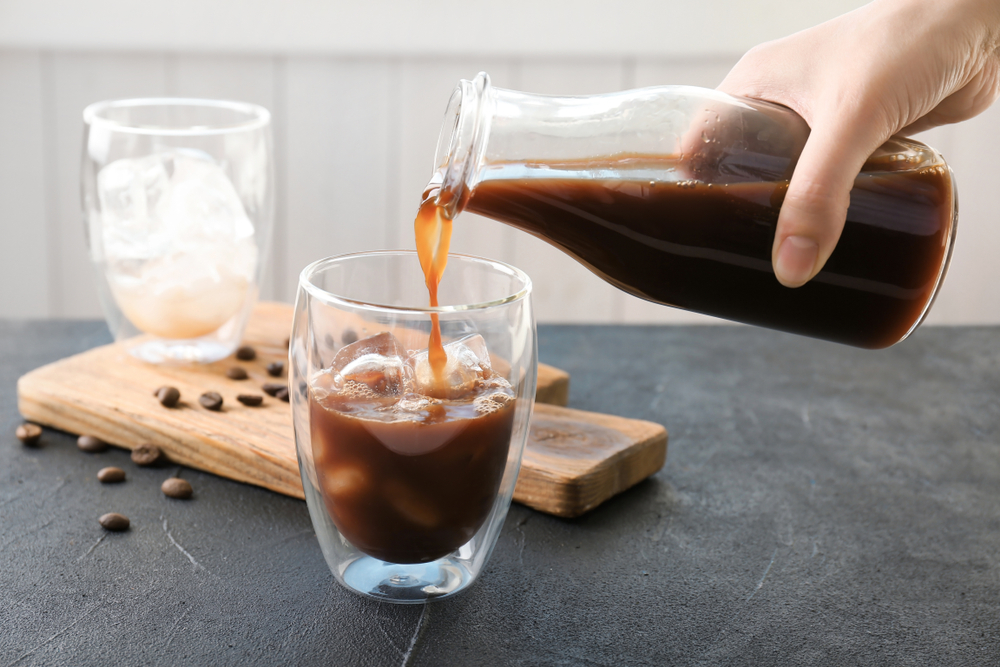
160	351
406	584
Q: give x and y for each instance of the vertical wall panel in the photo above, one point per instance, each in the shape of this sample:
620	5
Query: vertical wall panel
245	79
24	262
564	290
970	294
78	80
702	72
227	77
338	122
354	143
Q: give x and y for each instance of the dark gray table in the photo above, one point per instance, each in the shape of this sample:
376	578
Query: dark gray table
820	505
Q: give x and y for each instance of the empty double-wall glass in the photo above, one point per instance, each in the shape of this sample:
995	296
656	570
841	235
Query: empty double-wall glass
178	196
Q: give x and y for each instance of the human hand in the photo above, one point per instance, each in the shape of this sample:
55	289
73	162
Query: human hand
890	67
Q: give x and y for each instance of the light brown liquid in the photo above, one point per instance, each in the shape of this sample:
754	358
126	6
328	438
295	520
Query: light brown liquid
433	235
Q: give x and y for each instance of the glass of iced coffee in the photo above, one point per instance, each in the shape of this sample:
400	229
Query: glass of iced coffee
409	457
178	196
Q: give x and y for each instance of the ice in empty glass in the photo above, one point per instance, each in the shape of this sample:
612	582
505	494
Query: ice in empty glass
178	196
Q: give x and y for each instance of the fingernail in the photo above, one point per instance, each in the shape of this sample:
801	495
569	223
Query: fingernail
795	260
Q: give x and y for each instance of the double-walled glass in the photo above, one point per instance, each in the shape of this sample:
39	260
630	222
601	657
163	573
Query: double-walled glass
407	478
178	196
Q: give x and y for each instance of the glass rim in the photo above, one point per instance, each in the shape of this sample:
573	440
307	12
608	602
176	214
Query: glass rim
258	116
305	282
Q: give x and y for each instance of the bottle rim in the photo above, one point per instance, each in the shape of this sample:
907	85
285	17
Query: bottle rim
462	141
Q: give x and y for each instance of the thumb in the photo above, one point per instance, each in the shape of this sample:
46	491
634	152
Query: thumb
815	206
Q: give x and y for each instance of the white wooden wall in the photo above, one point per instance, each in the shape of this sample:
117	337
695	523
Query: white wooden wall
354	137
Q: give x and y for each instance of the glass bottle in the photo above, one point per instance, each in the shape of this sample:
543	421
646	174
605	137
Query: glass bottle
672	194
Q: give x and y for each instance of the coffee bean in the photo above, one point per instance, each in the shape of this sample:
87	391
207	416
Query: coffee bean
276	368
146	454
251	400
349	336
111	475
114	521
175	487
236	373
168	396
329	342
29	433
90	444
211	400
272	388
246	353
282	394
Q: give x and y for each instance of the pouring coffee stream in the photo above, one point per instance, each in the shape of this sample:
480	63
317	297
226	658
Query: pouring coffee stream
433	237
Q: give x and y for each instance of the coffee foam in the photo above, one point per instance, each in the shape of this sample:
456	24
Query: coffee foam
484	405
357	390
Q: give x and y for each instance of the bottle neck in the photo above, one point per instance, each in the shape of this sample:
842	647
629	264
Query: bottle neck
462	143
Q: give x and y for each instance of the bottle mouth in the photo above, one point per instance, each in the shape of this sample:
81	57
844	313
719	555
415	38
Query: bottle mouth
462	142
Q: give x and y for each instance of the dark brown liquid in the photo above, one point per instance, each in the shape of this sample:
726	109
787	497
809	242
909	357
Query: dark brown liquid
706	246
410	482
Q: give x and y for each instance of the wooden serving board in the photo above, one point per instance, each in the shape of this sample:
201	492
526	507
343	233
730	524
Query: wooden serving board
573	461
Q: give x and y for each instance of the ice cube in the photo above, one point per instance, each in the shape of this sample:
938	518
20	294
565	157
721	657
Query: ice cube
178	247
344	481
170	202
467	366
377	362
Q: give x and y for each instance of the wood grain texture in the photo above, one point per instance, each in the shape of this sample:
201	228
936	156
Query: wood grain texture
576	460
553	386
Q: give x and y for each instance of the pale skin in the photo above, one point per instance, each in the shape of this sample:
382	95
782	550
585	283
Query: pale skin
890	67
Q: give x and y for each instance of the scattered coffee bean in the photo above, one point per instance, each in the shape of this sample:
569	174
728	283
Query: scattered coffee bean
236	373
175	487
211	400
146	454
282	394
349	336
251	400
111	475
168	396
29	433
276	368
246	353
90	444
114	521
272	388
330	342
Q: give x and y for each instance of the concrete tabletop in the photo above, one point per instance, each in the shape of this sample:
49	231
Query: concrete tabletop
819	505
